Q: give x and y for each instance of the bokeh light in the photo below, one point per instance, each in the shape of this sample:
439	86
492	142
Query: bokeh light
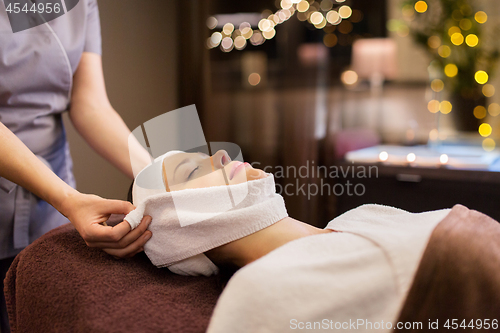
433	134
212	22
443	159
266	25
228	28
257	38
345	12
345	27
269	34
480	112
489	144
445	107
247	33
286	4
494	109
383	156
444	51
421	6
451	70
481	17
403	30
465	24
330	40
411	157
488	90
434	42
254	79
357	16
408	12
437	85
481	77
333	17
240	42
454	30
349	77
303	6
227	44
433	106
472	40
216	38
326	5
485	130
316	18
457	38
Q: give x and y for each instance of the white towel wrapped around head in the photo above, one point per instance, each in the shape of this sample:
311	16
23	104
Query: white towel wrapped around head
189	222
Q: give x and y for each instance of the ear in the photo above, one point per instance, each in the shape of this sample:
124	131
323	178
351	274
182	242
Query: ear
164	176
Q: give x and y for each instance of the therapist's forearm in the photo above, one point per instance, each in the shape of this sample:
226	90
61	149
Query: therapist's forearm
19	165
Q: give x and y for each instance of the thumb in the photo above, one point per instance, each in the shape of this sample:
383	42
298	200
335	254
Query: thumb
119	207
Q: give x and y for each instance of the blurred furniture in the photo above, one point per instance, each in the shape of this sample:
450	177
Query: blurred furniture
375	59
471	181
347	140
59	284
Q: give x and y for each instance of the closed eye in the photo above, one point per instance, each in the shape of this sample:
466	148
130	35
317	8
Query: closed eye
192	173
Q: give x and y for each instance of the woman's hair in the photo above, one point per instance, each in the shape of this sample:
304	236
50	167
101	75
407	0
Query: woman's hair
129	194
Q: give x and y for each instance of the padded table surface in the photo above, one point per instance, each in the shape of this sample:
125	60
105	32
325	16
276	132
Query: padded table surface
58	284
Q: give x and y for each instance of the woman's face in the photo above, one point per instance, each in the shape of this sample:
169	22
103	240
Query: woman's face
197	170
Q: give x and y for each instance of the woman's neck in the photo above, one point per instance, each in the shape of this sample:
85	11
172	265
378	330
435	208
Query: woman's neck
250	248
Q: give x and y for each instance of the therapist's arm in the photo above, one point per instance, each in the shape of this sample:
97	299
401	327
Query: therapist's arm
97	122
19	165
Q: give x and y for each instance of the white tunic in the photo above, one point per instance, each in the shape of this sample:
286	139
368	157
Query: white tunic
356	279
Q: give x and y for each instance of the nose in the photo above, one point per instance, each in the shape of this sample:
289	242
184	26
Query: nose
220	159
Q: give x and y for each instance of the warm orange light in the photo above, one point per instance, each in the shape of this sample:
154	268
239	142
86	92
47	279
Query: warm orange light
433	106
421	6
485	130
254	79
451	70
472	40
480	112
445	107
481	77
489	144
437	85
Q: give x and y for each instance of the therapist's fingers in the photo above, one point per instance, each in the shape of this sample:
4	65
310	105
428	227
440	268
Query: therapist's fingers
128	238
112	206
97	233
91	211
132	249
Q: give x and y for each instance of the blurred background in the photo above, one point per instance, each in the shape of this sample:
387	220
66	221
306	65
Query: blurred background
310	83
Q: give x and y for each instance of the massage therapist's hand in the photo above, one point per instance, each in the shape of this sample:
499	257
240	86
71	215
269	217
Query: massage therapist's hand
87	213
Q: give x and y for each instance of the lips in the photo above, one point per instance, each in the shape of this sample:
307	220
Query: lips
236	167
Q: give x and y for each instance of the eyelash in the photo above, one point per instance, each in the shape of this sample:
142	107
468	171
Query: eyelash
192	172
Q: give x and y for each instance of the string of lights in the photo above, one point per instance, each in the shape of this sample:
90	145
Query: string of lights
325	14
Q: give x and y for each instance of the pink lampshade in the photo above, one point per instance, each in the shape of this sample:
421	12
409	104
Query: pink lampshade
312	53
375	56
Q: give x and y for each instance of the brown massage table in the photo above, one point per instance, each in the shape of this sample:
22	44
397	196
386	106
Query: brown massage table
58	284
